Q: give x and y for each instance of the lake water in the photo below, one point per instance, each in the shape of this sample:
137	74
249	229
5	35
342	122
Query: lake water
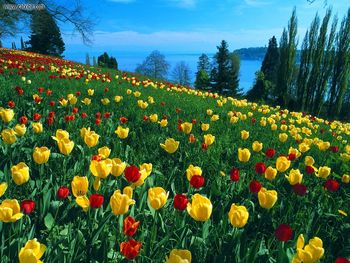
128	61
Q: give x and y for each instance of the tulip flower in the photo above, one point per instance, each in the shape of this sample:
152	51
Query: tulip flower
214	117
180	202
243	155
60	135
101	168
132	173
10	211
28	206
197	181
179	256
130	226
37	127
122	132
20	129
345	179
257	146
186	127
200	209
153	117
20	173
130	249
267	198
3	188
283	137
238	215
62	193
299	189
323	172
260	168
80	185
282	164
83	202
7	115
312	252
244	135
157	197
170	145
91	138
193	170
96	200
254	186
283	232
118	167
31	252
41	155
309	161
234	174
8	136
205	126
91	92
120	203
65	146
294	177
209	139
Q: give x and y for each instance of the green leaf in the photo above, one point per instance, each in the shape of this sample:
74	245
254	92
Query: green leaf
49	221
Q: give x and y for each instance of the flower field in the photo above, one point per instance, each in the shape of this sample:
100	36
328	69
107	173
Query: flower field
104	166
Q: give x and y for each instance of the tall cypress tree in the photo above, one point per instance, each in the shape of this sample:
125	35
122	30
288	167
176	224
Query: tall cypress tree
203	71
270	63
222	58
45	35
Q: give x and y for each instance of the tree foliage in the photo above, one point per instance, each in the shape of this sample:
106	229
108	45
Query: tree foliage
154	66
107	62
181	73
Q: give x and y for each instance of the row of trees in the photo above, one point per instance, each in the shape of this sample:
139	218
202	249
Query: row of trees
319	82
222	75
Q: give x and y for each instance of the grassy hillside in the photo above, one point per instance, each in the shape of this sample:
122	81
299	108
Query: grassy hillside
278	167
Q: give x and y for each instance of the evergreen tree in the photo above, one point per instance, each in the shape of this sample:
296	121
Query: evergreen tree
285	81
270	63
202	79
13	45
261	88
203	63
87	59
233	78
223	67
45	35
108	62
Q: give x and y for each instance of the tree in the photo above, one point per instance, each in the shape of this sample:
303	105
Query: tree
285	81
270	63
261	88
222	58
94	63
87	59
203	72
13	45
181	73
108	62
72	13
45	35
233	77
203	63
23	45
154	66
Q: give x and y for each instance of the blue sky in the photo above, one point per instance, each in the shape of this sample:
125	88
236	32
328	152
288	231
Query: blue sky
185	26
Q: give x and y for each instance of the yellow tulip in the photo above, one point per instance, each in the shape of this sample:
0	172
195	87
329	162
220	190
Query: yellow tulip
150	99
347	149
179	256
283	137
3	188
20	129
91	138
20	173
267	198
186	127
128	191
209	112
244	135
41	155
83	202
234	119
73	100
61	134
310	253
157	197
153	117
80	185
170	145
238	215
323	172
282	164
128	91
31	252
323	146
122	132
65	146
101	168
345	179
257	146
209	139
105	101
104	152
309	161
63	102
37	127
215	117
120	203
270	173
137	94
10	211
205	126
294	151
147	167
142	104
118	167
86	101
7	115
8	136
97	184
200	209
303	147
294	177
193	170
345	157
118	99
243	155
163	123
91	92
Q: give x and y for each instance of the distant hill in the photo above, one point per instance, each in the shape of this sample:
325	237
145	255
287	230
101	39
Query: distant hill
251	53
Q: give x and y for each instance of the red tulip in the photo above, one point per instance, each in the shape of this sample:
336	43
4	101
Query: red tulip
52	114
180	202
23	120
106	89
342	260
204	146
63	192
75	110
96	200
49	120
331	185
11	104
283	232
96	158
27	206
334	149
123	120
197	181
254	186
98	121
36	117
130	226
83	115
78	93
106	115
309	169
98	115
132	173
260	168
145	118
48	92
234	174
19	91
52	103
194	121
162	103
130	249
299	189
40	90
270	153
292	156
